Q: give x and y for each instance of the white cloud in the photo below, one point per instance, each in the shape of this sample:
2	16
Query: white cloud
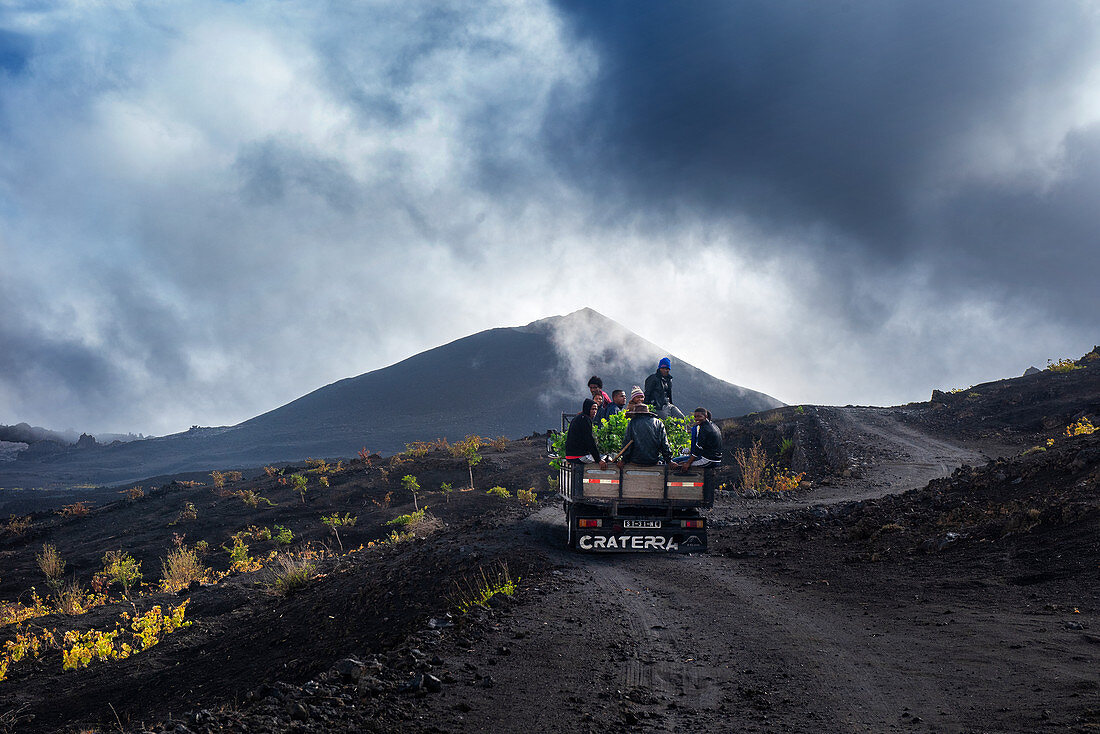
209	209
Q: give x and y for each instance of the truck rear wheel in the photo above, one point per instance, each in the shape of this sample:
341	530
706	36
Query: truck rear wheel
571	526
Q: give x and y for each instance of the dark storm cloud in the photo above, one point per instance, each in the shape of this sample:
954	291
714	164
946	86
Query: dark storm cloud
900	131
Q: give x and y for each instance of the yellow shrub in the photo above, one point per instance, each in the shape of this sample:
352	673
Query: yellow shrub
1062	365
786	481
1081	428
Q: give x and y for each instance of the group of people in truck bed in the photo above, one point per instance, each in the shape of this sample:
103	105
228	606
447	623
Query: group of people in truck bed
646	440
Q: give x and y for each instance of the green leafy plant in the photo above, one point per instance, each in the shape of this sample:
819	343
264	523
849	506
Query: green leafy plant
610	432
252	498
1062	365
317	466
413	487
335	521
298	484
527	496
408	520
446	489
477	592
282	536
500	492
785	447
239	558
418	448
468	450
121	568
81	648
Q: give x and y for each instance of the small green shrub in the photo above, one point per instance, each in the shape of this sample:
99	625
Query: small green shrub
121	568
239	557
410	519
1062	365
499	492
336	521
413	487
282	536
299	484
478	591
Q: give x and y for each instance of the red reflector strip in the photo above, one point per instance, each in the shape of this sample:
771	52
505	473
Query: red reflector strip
603	481
685	484
583	523
693	523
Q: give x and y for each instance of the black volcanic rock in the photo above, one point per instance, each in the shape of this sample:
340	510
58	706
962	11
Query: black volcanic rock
500	382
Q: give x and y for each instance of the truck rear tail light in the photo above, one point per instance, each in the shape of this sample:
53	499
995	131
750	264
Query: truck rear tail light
692	523
584	523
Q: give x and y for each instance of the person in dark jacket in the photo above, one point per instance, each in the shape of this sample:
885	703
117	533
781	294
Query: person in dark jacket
706	443
646	440
618	403
658	390
580	440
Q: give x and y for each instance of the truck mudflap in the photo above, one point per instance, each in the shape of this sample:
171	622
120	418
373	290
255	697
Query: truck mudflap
596	540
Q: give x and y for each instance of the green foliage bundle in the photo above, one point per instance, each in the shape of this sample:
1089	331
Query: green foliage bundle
610	432
282	536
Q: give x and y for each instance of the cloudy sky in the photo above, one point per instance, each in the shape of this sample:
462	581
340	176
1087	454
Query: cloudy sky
208	209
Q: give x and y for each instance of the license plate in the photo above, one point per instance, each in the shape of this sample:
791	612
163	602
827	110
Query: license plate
641	524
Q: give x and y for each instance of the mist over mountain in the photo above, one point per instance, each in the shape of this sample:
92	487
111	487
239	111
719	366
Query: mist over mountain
501	382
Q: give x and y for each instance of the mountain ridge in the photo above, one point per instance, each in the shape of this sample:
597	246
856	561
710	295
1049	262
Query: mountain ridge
508	381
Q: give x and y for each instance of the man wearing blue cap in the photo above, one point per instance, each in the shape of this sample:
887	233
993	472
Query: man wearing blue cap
658	390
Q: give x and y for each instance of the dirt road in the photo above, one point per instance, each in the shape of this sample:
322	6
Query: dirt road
747	639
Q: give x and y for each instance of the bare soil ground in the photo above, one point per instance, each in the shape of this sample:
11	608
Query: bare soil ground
899	592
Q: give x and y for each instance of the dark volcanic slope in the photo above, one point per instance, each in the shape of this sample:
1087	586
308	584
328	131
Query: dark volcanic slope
508	381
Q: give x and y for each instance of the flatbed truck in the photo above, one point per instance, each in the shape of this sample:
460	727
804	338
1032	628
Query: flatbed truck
639	509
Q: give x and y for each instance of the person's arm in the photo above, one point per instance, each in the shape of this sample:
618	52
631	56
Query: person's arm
662	442
628	439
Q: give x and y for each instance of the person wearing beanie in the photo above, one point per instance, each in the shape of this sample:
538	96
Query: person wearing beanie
658	390
636	396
